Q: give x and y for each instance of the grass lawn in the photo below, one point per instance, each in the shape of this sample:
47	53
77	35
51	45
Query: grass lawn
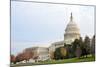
71	60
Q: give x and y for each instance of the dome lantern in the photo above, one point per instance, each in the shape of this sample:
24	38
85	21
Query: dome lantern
71	17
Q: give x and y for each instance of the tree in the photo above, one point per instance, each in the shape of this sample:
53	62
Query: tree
78	52
74	46
20	57
63	52
57	54
12	59
93	46
27	55
78	47
51	54
81	43
87	44
82	47
24	56
69	50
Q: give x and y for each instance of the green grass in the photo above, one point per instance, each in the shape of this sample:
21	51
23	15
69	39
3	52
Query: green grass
71	60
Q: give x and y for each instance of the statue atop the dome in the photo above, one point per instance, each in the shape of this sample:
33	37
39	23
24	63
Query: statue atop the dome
71	17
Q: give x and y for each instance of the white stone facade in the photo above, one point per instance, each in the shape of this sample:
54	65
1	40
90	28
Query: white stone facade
42	53
56	45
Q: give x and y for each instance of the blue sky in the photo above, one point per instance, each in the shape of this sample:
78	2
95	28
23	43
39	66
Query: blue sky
39	24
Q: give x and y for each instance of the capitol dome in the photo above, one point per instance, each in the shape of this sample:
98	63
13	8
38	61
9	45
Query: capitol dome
72	31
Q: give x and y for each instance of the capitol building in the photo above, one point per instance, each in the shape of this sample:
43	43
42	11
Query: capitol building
72	32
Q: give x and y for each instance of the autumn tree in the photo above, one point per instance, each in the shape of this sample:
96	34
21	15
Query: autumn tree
27	55
63	52
12	59
51	54
20	57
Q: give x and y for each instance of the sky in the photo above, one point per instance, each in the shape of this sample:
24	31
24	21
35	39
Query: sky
40	24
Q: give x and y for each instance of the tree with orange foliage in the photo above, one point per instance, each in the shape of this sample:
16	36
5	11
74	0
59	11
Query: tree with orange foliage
24	56
63	52
28	55
52	55
12	59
